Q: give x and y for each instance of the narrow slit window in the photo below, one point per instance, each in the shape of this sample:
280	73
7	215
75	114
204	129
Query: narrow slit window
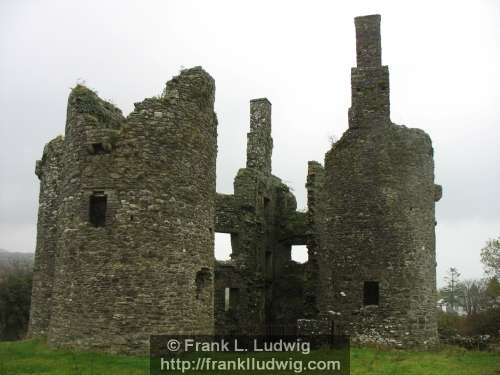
226	299
234	298
97	209
202	280
231	298
370	293
266	202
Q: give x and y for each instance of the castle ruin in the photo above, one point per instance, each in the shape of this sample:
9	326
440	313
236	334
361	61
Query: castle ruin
128	210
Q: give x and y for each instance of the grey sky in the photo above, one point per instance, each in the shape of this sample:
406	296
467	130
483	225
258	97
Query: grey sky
444	59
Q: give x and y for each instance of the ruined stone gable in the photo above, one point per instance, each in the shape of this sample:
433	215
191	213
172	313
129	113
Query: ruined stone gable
262	220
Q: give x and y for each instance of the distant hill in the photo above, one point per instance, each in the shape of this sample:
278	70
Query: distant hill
8	259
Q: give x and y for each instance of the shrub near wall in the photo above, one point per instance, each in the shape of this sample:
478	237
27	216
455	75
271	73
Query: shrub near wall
15	297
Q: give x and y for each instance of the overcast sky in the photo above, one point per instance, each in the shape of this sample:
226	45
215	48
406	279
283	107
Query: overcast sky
443	56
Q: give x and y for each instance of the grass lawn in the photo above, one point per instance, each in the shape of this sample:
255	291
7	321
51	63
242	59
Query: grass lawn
34	357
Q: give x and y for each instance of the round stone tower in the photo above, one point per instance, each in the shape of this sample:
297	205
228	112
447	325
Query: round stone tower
136	219
379	215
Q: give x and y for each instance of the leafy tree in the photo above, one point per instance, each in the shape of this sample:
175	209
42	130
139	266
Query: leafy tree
493	289
486	322
473	296
490	257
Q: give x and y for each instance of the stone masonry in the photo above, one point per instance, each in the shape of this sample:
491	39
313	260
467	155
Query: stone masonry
128	211
260	289
126	220
379	194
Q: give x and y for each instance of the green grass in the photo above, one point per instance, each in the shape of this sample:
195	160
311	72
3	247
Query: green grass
446	361
34	357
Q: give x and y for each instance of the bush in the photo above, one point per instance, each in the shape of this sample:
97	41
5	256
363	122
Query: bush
15	298
450	324
483	323
477	331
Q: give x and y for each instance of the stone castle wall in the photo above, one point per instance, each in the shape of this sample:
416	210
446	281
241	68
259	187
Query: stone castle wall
128	212
260	276
148	267
48	170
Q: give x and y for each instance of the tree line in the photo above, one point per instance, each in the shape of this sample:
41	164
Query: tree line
472	307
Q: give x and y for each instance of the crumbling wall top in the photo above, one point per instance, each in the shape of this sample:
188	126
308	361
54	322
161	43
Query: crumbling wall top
194	85
85	101
51	149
